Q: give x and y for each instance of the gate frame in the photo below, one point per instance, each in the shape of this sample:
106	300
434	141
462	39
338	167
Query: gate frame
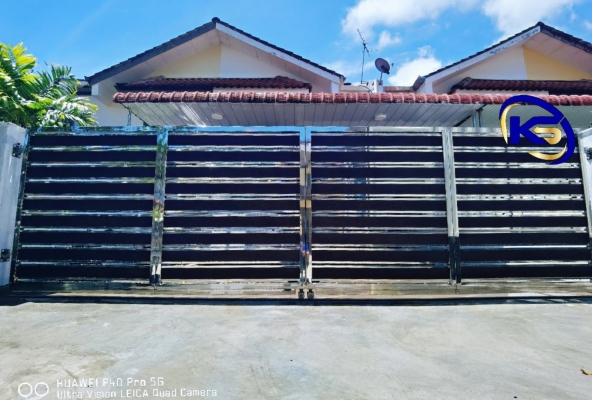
305	182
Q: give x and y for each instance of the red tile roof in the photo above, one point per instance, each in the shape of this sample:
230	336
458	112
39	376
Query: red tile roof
163	84
553	87
334	98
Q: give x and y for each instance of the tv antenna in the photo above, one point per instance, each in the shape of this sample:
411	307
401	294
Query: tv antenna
365	51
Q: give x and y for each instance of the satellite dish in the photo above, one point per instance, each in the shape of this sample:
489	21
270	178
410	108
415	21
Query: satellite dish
382	65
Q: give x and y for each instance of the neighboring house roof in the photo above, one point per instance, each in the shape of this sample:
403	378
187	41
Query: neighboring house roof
520	36
331	98
83	88
163	84
205	28
553	87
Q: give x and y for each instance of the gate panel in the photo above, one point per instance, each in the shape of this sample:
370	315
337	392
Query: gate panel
518	216
232	203
378	204
87	205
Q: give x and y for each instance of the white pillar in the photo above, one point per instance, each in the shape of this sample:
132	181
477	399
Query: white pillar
10	176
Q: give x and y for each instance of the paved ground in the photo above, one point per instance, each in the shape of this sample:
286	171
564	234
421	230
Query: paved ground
524	349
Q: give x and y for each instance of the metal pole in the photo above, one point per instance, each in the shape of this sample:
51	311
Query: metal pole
158	207
451	207
585	150
305	208
21	194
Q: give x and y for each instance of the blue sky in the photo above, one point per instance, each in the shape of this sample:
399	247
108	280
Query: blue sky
418	36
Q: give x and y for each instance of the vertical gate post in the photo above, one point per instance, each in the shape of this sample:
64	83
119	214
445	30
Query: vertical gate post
305	208
585	150
13	145
162	145
451	207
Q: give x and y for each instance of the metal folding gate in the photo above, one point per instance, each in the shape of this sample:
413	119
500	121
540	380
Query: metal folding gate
297	204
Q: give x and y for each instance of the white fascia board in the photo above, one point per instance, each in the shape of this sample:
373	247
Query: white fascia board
474	60
279	54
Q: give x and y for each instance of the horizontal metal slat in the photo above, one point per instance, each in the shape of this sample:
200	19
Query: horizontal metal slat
519	197
224	149
229	247
232	196
133	230
378	264
106	164
495	149
377	149
554	213
91	180
66	213
230	264
380	181
355	164
115	196
86	246
381	197
379	230
233	230
513	165
232	164
380	214
546	229
518	181
93	148
248	180
84	264
236	131
534	263
231	213
361	133
482	247
376	247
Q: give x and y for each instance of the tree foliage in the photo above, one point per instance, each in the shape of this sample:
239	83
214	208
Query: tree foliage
39	99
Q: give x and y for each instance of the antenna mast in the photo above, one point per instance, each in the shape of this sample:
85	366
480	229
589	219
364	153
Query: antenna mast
364	51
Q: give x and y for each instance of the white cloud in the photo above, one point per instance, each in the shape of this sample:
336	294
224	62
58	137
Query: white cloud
511	16
386	40
408	72
367	14
588	25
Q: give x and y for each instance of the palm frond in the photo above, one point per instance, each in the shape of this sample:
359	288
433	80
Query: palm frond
47	99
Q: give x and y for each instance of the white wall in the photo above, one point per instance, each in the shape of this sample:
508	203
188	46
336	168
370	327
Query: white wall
508	64
205	64
10	175
113	114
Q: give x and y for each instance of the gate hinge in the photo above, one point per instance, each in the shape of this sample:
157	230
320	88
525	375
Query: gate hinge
5	255
17	150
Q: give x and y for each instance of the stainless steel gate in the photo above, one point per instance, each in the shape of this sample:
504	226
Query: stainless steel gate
379	204
298	204
231	208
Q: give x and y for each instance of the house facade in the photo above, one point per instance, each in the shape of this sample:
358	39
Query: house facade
219	75
273	167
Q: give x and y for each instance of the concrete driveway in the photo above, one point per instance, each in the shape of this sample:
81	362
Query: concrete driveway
522	349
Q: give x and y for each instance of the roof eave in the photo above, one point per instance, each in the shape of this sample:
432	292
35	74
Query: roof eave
203	29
